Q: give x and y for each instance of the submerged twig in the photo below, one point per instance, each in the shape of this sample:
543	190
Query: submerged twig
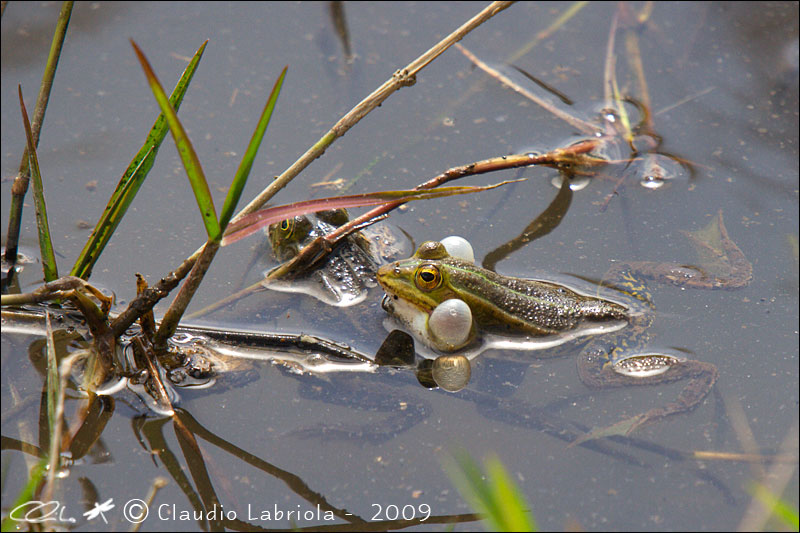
64	371
581	125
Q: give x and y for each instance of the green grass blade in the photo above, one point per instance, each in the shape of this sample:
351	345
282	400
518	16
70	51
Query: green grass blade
243	171
185	149
779	508
133	178
45	243
513	509
495	496
53	379
27	494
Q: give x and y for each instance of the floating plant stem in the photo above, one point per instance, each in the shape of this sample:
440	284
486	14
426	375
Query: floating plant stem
255	221
575	156
581	125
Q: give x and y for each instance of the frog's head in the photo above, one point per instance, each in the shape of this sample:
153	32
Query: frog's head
422	280
419	294
287	236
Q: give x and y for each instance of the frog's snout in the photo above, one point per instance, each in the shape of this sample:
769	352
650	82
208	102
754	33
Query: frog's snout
382	273
386	273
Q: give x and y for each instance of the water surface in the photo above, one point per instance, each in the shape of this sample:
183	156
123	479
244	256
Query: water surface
724	92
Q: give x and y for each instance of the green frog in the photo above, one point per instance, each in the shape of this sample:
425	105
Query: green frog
348	273
452	305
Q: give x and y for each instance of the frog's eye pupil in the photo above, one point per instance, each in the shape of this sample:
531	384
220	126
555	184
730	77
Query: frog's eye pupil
287	226
428	277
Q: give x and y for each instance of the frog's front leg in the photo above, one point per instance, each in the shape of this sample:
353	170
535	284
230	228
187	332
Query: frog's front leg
597	370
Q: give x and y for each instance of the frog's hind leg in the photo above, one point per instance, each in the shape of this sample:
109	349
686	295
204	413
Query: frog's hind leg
596	371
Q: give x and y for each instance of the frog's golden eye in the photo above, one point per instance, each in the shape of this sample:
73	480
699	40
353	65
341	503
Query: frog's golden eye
427	277
287	226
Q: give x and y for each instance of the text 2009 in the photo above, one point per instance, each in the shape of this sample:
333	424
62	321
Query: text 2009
407	512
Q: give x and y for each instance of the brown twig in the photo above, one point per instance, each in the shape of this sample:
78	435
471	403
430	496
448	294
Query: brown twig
575	155
581	125
401	78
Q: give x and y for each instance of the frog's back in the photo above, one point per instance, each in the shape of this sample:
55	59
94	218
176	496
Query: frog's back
527	307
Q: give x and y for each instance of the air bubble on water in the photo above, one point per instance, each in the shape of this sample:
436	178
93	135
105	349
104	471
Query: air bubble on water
652	182
576	183
656	170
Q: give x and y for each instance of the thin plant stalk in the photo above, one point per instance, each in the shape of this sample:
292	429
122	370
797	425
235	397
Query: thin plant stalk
402	78
232	199
173	315
42	226
556	25
20	185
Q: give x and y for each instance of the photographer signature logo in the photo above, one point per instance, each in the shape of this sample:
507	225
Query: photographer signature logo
38	512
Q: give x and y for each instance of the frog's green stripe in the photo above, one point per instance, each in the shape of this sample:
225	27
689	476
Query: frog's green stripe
536	307
505	288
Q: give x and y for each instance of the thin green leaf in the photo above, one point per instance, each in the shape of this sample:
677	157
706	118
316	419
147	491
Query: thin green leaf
185	149
133	178
21	181
255	221
28	492
53	380
778	507
45	243
240	179
495	495
513	509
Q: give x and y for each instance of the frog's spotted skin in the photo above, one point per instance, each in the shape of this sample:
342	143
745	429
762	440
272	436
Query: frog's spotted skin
532	314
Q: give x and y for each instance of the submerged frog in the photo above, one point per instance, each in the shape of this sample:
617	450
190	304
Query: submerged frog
451	305
348	272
